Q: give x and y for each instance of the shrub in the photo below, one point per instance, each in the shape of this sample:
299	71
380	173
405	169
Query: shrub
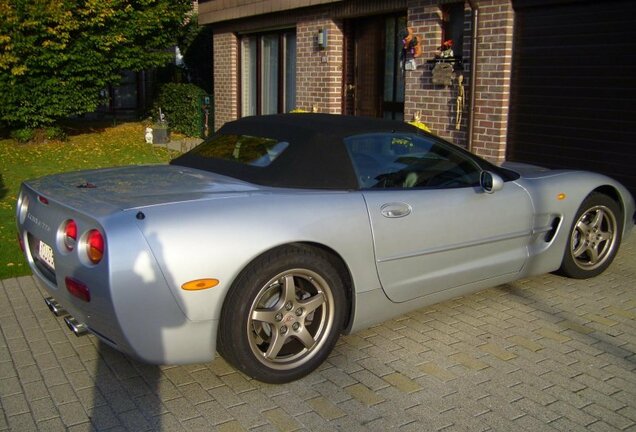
23	135
181	104
54	133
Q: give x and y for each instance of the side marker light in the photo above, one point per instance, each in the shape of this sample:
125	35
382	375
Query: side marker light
200	284
561	196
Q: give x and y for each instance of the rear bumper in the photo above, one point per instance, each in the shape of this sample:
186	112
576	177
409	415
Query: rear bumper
172	343
131	307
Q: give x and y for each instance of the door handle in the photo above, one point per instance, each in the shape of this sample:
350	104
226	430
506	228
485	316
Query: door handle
395	210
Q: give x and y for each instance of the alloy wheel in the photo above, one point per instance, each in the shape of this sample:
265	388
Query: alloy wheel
290	318
593	237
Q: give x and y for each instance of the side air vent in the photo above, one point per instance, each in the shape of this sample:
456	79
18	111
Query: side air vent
554	226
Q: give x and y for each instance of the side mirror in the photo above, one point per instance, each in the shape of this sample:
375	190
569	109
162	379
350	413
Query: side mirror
490	182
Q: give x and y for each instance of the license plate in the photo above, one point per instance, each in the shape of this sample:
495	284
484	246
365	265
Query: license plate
46	254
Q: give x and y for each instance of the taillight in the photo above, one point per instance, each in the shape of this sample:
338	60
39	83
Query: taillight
70	234
95	246
43	200
77	289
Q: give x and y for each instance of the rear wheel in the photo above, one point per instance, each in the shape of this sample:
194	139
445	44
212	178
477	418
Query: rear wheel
283	315
594	238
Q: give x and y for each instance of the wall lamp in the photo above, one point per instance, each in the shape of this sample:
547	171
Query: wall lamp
322	38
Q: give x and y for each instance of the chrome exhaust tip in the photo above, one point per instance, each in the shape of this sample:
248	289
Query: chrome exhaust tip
78	328
54	306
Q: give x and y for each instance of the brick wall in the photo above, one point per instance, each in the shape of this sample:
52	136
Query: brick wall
319	71
494	60
225	78
437	104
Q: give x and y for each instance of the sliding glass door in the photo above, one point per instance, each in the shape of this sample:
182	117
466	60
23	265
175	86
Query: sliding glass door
268	73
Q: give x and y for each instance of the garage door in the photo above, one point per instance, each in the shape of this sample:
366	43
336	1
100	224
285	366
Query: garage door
573	89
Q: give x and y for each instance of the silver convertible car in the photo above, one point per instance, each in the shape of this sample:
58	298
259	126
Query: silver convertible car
279	233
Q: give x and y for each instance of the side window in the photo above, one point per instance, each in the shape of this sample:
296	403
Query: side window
394	160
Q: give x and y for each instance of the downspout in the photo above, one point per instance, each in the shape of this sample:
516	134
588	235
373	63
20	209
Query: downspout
473	72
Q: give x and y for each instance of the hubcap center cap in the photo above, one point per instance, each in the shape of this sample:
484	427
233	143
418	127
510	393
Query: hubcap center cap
289	319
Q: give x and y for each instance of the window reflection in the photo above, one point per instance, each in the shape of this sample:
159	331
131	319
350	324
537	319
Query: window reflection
409	161
248	76
268	73
246	149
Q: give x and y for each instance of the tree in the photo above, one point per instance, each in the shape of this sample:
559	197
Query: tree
195	44
56	55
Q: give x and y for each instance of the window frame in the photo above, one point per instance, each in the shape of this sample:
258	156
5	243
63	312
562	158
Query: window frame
454	14
281	79
393	109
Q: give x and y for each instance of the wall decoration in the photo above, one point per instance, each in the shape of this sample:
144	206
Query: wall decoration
446	50
459	102
411	48
443	74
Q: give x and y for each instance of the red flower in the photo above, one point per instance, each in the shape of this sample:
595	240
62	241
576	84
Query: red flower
447	44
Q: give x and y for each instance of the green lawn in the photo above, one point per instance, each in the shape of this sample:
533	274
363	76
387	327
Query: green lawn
91	148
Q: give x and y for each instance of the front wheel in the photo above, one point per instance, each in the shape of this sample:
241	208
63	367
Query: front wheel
283	315
594	238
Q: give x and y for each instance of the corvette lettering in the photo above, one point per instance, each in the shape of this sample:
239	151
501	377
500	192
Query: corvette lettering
38	222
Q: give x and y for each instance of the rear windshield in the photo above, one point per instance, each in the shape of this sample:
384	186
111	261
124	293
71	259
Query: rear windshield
245	149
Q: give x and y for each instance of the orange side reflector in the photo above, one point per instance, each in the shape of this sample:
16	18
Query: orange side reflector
200	284
561	196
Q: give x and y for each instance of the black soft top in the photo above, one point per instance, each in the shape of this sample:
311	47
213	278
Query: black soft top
316	157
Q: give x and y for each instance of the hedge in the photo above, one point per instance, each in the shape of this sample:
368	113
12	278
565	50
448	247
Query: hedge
181	105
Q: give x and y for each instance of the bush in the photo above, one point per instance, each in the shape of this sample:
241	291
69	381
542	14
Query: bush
181	104
54	133
23	135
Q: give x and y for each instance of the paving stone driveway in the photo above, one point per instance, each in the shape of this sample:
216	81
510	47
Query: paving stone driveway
545	353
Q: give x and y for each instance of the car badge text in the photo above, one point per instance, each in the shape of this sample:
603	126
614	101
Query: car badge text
38	222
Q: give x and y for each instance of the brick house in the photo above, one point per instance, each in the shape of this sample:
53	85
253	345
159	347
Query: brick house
548	82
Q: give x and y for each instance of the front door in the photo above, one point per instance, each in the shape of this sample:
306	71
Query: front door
375	84
433	226
452	237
